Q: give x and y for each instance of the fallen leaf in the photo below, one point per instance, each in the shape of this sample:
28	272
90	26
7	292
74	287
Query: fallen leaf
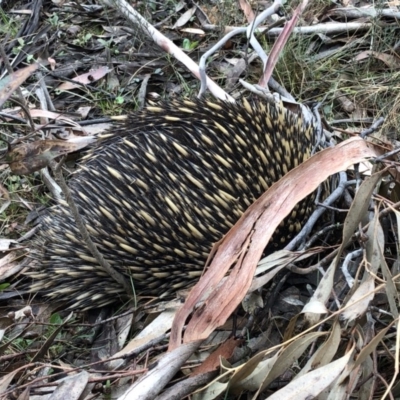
11	82
29	157
85	79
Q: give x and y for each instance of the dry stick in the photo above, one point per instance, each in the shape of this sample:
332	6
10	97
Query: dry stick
265	94
370	12
204	57
325	261
186	387
374	127
253	41
169	47
330	28
47	103
307	228
85	234
152	383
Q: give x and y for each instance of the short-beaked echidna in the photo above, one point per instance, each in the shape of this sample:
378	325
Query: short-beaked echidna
158	190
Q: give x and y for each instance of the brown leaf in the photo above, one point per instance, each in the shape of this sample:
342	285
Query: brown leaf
247	10
242	247
212	362
29	157
389	60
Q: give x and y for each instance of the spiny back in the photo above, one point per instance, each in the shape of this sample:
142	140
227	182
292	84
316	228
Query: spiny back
158	190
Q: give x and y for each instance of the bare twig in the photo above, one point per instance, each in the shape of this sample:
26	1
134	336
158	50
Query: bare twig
307	228
169	47
250	36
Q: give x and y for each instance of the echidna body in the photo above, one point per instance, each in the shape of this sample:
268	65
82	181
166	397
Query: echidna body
158	190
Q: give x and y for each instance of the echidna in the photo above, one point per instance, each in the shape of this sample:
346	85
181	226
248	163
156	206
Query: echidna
158	190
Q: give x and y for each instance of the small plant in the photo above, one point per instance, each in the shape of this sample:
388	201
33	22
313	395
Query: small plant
19	47
83	40
108	44
189	45
8	24
54	20
119	100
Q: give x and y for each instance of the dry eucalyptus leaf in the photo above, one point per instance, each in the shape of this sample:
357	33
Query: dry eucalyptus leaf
30	157
360	300
11	82
311	384
71	387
